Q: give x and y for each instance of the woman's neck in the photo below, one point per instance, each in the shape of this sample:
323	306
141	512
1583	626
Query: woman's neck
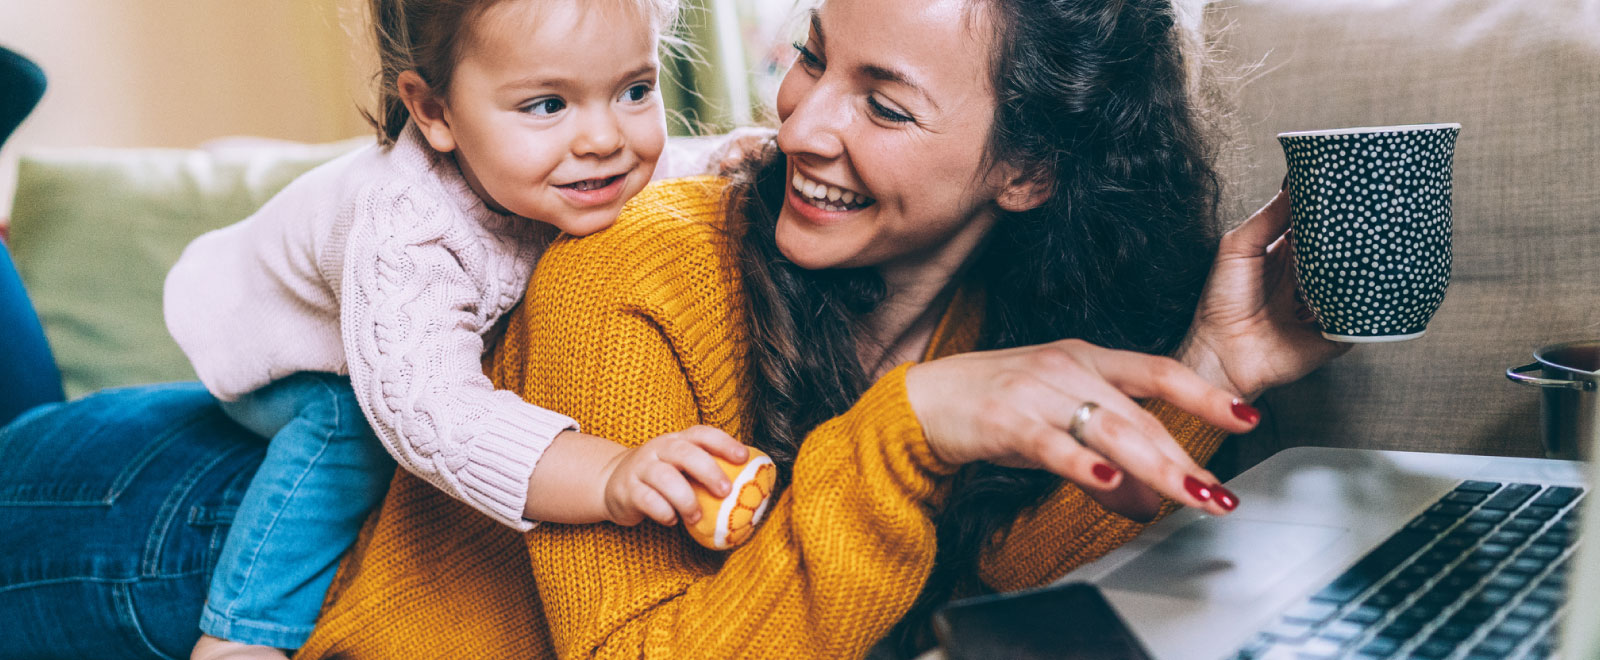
902	326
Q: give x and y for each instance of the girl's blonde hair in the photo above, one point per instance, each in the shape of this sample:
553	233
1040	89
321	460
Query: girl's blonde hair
426	36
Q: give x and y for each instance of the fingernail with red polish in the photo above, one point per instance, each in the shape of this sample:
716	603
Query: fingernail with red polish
1197	488
1246	412
1104	472
1225	498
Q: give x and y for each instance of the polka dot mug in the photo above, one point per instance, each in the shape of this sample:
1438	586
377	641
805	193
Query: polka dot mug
1370	212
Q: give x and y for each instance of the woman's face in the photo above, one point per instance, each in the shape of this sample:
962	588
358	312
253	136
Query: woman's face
886	115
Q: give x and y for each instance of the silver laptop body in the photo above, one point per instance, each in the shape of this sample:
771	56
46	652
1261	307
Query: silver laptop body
1197	587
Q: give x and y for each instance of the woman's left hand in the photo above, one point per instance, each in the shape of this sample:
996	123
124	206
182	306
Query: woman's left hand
1251	332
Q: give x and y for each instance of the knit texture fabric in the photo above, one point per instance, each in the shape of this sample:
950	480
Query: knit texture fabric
637	331
385	265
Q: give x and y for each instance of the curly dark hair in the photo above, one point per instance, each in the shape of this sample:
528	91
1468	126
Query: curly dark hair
1093	98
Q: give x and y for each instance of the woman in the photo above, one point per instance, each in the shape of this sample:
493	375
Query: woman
905	215
1010	182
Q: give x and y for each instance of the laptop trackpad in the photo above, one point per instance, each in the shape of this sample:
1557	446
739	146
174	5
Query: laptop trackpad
1225	559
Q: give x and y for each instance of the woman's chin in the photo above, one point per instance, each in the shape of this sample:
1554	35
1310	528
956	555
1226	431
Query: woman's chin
806	246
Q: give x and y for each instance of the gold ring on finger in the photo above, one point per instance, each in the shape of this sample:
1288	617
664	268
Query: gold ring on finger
1080	419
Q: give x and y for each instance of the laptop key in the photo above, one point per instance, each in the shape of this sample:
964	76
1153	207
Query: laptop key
1372	567
1434	648
1465	497
1430	524
1311	612
1524	565
1523	524
1288	631
1364	615
1380	647
1496	644
1453	509
1542	552
1488	515
1478	486
1516	628
1511	497
1400	630
1535	610
1558	496
1537	513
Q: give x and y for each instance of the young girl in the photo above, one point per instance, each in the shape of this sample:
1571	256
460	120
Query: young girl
362	294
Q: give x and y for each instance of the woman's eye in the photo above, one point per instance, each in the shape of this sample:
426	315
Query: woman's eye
545	106
886	113
637	93
808	59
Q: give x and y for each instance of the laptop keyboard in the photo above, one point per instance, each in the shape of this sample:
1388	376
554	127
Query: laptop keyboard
1481	574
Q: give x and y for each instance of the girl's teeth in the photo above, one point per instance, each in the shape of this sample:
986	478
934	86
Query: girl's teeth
847	197
833	194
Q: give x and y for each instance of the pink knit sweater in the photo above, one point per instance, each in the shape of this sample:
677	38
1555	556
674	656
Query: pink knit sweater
382	264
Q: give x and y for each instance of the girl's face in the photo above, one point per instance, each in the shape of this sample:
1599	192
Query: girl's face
886	115
553	112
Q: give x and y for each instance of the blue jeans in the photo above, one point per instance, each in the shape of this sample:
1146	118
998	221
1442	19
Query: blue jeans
113	511
28	375
323	473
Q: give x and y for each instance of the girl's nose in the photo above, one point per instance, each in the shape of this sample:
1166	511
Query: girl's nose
599	135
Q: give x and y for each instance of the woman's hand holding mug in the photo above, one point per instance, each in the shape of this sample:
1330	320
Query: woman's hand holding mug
1251	331
1068	407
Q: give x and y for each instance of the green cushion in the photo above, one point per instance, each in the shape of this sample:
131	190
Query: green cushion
94	232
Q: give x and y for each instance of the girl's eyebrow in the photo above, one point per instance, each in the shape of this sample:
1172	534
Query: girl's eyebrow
544	82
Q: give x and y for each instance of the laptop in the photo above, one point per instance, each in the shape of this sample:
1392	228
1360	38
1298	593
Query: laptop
1341	553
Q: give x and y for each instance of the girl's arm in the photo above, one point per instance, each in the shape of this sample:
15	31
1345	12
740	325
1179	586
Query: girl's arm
412	317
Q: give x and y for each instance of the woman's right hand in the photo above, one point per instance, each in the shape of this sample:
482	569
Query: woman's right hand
1015	407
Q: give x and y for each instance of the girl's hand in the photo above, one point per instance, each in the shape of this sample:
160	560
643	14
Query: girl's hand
652	480
1251	332
1017	407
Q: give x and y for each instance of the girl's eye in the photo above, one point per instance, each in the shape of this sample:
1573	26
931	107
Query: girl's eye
637	93
545	106
886	113
808	59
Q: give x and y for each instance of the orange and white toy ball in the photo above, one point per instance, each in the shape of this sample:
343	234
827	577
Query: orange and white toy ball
728	521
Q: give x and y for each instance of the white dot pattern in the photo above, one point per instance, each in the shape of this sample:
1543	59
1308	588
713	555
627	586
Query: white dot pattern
1371	227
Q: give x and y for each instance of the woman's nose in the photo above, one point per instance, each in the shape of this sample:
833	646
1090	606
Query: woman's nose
816	125
598	135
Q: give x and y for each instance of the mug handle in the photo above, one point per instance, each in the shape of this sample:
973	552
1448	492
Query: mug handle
1519	375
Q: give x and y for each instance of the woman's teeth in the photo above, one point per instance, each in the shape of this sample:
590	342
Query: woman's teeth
829	198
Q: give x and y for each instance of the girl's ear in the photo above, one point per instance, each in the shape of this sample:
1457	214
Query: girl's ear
427	110
1024	190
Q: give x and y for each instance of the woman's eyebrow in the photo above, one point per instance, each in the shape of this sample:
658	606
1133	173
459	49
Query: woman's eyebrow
885	74
874	71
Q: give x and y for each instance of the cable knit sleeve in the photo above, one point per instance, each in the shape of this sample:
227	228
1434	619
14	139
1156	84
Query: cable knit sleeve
418	292
1069	529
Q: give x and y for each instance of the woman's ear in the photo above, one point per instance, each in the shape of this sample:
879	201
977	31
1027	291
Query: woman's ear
427	110
1024	190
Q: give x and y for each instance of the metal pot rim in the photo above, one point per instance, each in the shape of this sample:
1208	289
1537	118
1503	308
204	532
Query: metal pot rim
1541	354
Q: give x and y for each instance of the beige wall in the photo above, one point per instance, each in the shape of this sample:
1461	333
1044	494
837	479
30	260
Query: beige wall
175	73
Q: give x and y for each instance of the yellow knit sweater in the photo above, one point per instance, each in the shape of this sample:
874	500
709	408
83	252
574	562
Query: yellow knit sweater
638	331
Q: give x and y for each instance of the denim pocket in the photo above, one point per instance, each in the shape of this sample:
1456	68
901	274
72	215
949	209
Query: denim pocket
87	452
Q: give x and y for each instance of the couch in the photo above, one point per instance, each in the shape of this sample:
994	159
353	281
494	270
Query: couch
95	230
